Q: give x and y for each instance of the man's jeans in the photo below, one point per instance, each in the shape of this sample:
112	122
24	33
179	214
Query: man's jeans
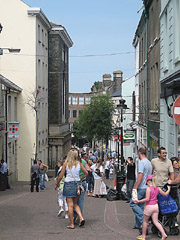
129	185
42	185
138	208
80	201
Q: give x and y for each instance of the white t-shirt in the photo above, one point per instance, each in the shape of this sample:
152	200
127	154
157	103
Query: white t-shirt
94	167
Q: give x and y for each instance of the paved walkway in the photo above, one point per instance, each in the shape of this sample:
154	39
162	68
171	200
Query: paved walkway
33	216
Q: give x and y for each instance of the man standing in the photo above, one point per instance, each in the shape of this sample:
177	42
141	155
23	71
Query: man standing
162	168
4	175
35	171
144	169
130	177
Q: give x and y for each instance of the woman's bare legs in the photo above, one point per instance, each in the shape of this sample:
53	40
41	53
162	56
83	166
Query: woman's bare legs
70	210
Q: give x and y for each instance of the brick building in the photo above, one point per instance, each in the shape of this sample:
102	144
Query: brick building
77	102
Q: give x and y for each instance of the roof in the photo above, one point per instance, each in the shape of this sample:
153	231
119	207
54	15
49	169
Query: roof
118	93
61	30
9	84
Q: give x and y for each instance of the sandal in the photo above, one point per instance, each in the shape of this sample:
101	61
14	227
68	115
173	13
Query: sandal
82	223
69	227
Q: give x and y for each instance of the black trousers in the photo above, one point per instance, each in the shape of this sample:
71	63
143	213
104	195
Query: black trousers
2	182
107	173
34	181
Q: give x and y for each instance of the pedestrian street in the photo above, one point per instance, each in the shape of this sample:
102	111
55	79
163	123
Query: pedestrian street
33	216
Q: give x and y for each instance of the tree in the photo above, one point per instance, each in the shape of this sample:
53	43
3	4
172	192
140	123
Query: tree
95	121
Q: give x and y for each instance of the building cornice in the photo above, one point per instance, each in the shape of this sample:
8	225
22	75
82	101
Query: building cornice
61	31
39	13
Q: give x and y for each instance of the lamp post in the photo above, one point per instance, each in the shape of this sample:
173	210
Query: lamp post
120	171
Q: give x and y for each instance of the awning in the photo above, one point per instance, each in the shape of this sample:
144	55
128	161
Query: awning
9	84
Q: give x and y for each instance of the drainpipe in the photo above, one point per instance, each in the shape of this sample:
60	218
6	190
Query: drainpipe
7	91
147	76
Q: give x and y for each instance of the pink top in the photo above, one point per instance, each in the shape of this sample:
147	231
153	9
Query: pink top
153	196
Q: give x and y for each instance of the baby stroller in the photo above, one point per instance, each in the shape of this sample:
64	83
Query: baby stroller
168	210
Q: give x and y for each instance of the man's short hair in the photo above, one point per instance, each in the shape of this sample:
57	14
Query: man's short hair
35	161
130	158
159	149
142	151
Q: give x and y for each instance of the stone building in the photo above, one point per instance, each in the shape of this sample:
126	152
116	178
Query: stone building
59	131
108	85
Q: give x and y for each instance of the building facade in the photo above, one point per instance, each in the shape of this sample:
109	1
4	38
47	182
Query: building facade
77	103
59	131
28	70
147	40
169	74
9	94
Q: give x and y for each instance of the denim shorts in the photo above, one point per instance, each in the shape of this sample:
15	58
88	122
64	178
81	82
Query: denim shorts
70	189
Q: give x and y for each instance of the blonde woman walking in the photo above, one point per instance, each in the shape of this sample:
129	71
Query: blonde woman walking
72	167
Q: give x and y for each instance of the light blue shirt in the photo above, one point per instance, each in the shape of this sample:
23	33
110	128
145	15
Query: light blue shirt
144	167
4	168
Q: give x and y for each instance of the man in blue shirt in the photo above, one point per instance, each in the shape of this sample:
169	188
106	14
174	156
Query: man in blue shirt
144	169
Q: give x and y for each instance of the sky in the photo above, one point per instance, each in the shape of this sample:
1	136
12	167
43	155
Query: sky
103	29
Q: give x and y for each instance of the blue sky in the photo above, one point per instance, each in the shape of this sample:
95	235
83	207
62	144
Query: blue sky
96	27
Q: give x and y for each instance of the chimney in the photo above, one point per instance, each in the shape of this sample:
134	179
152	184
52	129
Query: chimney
117	79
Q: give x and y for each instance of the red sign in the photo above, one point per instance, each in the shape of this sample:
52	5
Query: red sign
116	138
176	111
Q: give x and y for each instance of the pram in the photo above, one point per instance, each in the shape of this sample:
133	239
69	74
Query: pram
168	210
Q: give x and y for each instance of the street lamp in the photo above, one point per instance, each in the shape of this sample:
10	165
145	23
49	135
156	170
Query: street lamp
122	107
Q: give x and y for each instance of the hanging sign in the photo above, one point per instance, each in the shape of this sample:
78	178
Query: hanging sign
13	129
176	110
129	137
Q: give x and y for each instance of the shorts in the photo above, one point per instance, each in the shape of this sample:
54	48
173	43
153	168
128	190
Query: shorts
150	209
70	189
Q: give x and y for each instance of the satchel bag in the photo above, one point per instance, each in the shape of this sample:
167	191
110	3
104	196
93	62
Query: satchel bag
80	188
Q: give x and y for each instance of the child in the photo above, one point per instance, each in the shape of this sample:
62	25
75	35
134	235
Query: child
151	207
61	198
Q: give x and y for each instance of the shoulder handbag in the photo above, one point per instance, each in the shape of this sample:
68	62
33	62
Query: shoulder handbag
80	188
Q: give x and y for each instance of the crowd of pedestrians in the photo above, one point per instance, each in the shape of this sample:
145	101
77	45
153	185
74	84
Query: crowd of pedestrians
83	170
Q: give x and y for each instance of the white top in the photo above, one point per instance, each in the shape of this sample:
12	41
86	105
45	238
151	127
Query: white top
94	167
75	172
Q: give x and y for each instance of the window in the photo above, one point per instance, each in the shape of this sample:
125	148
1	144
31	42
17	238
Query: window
69	112
39	33
81	100
177	31
15	109
88	99
74	100
69	100
74	113
80	111
9	108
